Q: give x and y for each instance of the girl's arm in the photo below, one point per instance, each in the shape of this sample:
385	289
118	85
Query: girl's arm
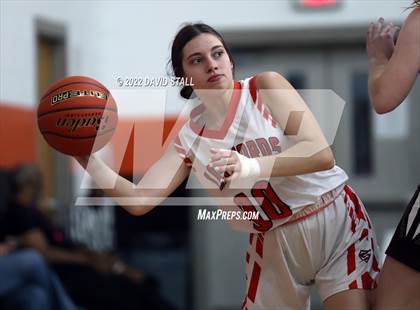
154	187
310	153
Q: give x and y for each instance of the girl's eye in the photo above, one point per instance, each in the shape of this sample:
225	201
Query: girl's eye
218	53
196	61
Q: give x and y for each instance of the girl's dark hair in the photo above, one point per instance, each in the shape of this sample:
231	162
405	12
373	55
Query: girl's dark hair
185	35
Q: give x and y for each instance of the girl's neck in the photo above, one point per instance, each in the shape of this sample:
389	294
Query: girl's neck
216	103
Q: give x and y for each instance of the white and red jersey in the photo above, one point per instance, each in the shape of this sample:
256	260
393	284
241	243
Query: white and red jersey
250	130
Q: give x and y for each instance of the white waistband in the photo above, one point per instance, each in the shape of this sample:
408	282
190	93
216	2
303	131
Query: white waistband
324	201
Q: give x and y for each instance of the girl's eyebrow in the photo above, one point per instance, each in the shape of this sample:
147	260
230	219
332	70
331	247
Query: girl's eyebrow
198	54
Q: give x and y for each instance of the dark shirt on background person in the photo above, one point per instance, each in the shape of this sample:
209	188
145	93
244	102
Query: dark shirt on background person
117	286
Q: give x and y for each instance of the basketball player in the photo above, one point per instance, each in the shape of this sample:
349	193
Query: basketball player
392	73
256	144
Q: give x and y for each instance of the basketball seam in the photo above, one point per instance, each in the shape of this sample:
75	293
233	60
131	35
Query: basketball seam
70	137
90	83
76	108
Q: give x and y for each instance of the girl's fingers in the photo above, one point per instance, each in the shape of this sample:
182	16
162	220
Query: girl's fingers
232	177
227	168
223	161
217	154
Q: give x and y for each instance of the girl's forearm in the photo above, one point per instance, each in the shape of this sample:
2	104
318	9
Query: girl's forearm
288	163
135	200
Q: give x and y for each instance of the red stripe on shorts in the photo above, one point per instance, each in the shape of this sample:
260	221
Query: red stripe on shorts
364	234
243	307
252	291
368	220
353	223
259	247
353	285
351	259
251	237
367	281
243	304
375	265
356	202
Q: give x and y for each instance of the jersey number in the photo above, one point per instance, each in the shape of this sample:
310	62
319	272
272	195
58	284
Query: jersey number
270	203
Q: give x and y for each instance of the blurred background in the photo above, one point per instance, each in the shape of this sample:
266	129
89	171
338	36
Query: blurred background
314	44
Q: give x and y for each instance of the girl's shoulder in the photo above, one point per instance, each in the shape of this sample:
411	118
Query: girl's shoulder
270	80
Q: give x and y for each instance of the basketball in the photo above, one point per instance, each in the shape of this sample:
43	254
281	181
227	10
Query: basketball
77	115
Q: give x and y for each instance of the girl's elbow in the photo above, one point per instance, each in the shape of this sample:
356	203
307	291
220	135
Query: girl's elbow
326	160
138	209
141	210
133	210
330	163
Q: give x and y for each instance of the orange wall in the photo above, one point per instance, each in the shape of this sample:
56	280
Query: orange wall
17	135
148	142
18	140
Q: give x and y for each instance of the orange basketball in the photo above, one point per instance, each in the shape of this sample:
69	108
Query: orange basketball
77	115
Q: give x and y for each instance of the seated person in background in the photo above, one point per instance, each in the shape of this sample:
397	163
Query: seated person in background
26	282
93	225
94	280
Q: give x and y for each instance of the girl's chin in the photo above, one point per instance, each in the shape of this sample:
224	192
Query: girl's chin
221	84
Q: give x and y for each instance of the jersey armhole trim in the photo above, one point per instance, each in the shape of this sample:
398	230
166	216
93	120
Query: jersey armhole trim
182	152
256	100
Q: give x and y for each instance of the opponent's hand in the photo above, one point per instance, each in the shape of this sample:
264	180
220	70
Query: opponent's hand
234	165
380	40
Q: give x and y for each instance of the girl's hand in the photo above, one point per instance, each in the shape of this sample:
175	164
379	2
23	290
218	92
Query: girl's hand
234	164
380	40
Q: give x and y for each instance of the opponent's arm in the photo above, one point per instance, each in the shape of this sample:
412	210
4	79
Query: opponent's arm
393	71
155	186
